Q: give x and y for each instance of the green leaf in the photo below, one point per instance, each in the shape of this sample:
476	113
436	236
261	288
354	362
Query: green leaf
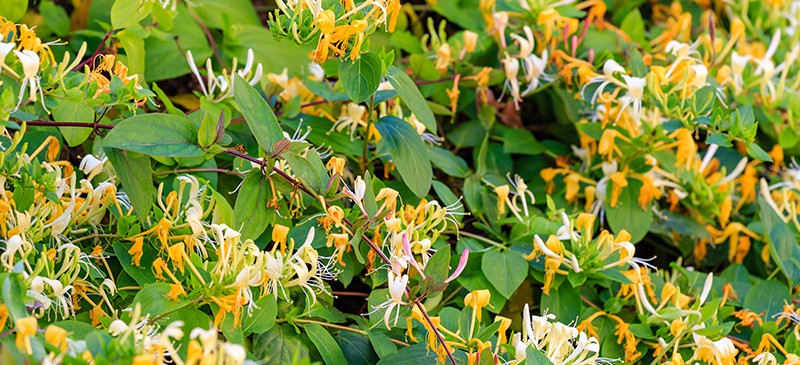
408	153
156	134
325	343
633	26
55	17
14	296
133	44
755	151
260	118
628	215
535	357
356	348
448	162
13	10
522	142
382	344
438	266
412	97
505	270
768	296
263	318
280	345
788	138
309	169
720	139
125	13
411	355
361	78
250	211
154	301
142	274
136	176
67	110
783	245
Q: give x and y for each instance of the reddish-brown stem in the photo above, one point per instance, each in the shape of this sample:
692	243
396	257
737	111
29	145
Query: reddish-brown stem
96	51
209	169
351	294
47	123
210	38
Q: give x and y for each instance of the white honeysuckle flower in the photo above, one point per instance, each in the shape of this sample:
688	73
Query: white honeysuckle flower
92	166
315	70
117	327
635	87
30	72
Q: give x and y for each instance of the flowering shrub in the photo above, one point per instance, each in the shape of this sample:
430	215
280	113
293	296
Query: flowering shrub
465	182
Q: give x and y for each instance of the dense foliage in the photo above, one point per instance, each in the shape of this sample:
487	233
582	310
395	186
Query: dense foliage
467	182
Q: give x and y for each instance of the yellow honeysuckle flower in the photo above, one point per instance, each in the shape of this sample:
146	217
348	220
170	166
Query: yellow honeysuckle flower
619	182
136	251
336	165
25	328
279	233
57	337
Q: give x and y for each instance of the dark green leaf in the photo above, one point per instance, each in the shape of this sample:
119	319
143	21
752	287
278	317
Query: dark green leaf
438	266
628	215
154	301
411	355
535	357
771	297
136	176
408	153
280	345
14	296
382	344
325	343
263	318
258	115
410	95
250	211
356	348
522	142
755	151
155	134
783	245
361	77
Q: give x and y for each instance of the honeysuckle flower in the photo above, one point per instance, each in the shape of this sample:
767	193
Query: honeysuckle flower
511	67
30	72
443	57
721	351
635	87
565	232
25	328
351	119
57	337
209	84
5	49
409	256
14	245
397	287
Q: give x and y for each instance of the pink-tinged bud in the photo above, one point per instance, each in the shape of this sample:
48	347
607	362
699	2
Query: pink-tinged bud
574	44
591	55
566	36
462	263
410	256
585	29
